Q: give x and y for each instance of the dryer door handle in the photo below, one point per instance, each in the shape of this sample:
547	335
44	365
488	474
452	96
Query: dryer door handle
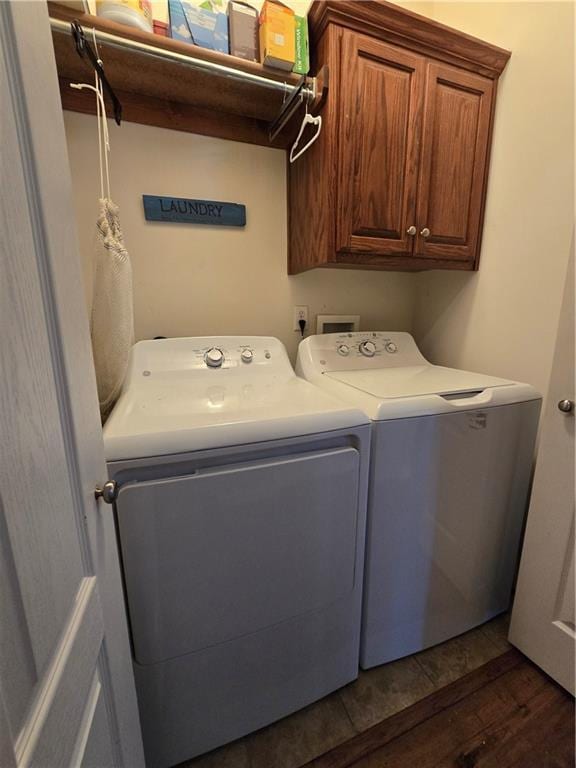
108	492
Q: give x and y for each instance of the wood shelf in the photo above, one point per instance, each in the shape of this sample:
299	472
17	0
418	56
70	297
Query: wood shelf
169	94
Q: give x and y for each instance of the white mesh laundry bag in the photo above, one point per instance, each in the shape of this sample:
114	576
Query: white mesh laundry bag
112	320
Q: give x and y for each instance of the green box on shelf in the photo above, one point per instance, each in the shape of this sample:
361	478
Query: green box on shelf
302	59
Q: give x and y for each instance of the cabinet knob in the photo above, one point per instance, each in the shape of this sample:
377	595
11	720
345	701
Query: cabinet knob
566	406
411	230
425	232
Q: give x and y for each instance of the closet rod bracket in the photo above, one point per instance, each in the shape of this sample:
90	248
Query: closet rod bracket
311	91
84	50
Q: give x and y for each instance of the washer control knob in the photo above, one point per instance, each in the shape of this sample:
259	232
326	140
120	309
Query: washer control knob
247	355
368	348
391	347
343	349
214	357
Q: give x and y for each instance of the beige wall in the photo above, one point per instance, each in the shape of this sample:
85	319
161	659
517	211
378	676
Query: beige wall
197	280
503	319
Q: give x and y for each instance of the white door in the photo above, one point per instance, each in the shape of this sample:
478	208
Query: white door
543	621
66	689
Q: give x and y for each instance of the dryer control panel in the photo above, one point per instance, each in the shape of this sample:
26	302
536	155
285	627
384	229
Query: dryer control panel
181	357
357	351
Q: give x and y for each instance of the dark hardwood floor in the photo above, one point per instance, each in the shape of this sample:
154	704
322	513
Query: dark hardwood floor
506	714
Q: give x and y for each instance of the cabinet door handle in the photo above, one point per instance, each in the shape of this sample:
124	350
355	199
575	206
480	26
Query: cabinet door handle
425	232
566	406
411	230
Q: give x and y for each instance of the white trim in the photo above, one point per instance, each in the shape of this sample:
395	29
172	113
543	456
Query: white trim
86	725
28	738
7	756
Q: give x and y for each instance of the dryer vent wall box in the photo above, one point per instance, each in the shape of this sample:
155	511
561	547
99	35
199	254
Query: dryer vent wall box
337	323
241	519
450	469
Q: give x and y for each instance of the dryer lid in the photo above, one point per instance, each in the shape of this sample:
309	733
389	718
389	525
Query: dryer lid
416	381
174	402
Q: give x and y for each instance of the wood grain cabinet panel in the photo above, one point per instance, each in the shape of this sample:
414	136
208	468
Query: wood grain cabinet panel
397	179
381	100
454	162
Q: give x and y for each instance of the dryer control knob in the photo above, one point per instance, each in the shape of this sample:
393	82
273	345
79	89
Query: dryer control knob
391	347
214	357
368	348
343	349
247	355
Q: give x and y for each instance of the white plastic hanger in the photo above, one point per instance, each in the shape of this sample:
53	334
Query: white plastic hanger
308	119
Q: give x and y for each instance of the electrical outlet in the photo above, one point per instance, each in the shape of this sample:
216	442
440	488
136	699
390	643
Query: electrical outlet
300	313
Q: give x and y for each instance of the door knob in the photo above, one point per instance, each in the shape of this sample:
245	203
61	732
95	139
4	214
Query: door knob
425	232
566	406
411	230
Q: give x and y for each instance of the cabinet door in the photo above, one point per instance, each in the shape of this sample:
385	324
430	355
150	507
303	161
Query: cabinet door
457	117
381	112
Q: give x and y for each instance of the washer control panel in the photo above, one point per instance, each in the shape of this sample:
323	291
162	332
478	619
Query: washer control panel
358	350
367	348
367	345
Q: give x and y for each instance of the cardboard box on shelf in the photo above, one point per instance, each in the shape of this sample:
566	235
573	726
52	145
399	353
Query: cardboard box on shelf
160	17
208	23
277	35
243	30
132	13
301	54
179	29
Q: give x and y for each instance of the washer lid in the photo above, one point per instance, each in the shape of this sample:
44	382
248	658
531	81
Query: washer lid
416	381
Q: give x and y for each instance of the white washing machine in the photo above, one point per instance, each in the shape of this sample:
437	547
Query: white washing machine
450	471
241	522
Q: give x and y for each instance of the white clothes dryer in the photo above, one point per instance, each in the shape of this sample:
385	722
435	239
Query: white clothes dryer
241	522
450	470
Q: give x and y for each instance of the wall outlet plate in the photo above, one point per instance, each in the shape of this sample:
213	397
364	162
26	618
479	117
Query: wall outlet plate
300	313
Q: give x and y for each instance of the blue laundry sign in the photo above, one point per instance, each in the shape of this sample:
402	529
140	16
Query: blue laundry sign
180	209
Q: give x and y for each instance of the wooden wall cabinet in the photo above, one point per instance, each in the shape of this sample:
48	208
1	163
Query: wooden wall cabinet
397	179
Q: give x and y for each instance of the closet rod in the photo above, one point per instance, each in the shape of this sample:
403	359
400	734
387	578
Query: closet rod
188	61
